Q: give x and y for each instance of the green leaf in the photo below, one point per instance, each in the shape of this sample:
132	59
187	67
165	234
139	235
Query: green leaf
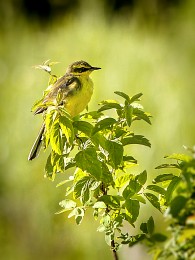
109	104
121	180
81	189
141	115
104	123
159	237
68	204
157	189
132	207
163	177
49	167
123	95
132	188
143	228
128	113
84	127
99	205
179	157
88	161
167	166
150	225
142	177
78	213
153	200
177	204
115	151
135	97
111	201
67	128
172	185
139	198
106	174
55	138
136	139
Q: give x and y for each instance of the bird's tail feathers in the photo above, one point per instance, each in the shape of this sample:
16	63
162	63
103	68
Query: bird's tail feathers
34	152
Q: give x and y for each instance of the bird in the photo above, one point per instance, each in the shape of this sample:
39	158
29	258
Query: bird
76	88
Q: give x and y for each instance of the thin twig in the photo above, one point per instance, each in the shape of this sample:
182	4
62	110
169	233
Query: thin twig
114	250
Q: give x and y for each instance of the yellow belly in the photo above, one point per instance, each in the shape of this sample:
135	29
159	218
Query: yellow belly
76	103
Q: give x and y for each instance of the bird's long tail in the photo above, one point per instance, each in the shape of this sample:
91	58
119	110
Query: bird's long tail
34	152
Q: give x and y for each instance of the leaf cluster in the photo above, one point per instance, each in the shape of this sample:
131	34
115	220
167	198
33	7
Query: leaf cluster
179	199
92	147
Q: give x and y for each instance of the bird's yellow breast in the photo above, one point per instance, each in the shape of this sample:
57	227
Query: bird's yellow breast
76	103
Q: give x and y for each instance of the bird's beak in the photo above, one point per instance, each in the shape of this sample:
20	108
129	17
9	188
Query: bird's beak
95	68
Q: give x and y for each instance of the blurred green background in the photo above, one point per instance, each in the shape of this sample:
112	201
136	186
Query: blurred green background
141	46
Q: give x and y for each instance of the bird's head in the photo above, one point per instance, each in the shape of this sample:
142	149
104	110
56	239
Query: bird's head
80	68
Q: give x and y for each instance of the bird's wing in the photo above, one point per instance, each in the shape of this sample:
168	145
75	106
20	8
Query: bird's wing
68	85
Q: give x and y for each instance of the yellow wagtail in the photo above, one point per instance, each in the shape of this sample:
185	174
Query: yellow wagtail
76	88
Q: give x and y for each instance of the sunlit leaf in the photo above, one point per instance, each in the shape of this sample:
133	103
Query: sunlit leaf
100	205
132	188
55	138
121	180
88	161
67	128
179	157
68	204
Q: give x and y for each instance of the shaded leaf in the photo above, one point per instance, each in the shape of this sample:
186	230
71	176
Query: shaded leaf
104	124
156	188
177	204
153	200
136	139
150	225
163	177
142	177
159	237
135	97
172	185
128	113
132	207
115	151
123	95
141	115
84	127
111	201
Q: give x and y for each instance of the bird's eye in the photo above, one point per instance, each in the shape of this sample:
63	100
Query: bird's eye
80	70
